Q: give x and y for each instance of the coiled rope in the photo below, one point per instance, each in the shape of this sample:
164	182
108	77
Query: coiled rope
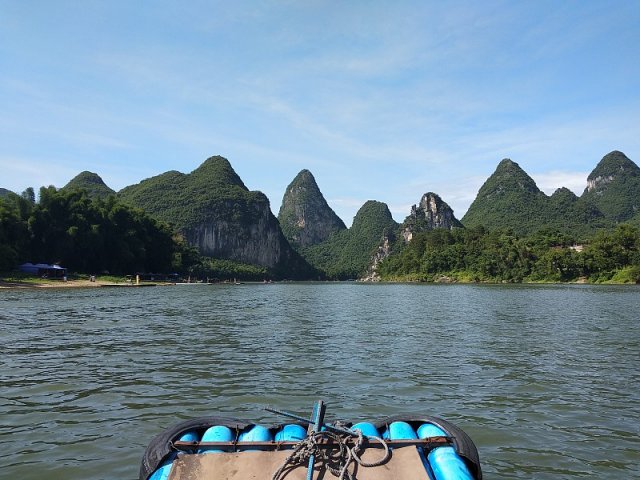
336	460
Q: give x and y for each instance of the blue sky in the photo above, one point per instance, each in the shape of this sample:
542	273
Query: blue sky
379	100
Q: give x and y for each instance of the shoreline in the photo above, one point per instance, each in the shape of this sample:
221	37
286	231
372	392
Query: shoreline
81	283
56	284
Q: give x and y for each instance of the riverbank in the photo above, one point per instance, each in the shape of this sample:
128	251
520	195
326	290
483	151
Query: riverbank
44	283
82	283
13	282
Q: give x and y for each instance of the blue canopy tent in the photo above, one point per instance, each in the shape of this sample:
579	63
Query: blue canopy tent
44	270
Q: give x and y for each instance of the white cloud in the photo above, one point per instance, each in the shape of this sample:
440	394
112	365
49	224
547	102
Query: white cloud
383	102
549	182
346	207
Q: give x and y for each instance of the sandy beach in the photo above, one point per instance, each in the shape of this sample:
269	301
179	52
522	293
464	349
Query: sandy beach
58	284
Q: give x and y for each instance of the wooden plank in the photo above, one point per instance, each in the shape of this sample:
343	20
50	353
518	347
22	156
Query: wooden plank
405	463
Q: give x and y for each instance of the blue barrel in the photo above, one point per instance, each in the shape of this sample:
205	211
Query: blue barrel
291	433
162	473
217	433
400	431
367	429
445	463
257	433
404	431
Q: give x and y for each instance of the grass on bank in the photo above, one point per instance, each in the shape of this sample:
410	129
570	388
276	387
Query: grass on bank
625	276
29	279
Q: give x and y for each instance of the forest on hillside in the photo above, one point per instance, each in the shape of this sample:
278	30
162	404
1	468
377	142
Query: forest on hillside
93	235
99	235
479	255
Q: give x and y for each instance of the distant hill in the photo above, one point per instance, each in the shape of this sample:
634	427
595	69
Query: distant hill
614	187
509	198
92	183
216	212
209	193
305	217
4	193
430	213
569	213
347	253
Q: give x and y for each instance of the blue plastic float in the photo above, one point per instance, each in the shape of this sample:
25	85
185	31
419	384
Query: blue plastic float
446	452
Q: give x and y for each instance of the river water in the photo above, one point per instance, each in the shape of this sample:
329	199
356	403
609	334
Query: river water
545	379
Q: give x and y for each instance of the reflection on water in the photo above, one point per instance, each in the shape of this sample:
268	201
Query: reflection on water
543	378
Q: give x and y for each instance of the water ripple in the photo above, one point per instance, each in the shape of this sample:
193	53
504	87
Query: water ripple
543	378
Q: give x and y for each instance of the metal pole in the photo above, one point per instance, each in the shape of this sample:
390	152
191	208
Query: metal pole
331	428
317	419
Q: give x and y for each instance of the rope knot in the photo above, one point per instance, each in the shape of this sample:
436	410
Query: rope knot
336	460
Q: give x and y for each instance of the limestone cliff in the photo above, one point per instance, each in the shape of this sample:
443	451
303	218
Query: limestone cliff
614	187
305	217
613	166
510	199
216	212
432	212
248	234
347	253
384	250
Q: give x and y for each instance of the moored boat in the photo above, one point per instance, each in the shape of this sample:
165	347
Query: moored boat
402	446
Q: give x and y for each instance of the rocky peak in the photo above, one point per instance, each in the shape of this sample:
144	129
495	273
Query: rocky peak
613	166
432	212
508	176
215	212
373	225
305	217
614	187
382	252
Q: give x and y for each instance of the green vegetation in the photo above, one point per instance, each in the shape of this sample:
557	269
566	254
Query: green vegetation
215	269
512	209
503	256
514	232
211	192
84	234
84	227
614	187
91	183
574	215
510	199
305	217
4	193
14	231
26	279
213	209
347	253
